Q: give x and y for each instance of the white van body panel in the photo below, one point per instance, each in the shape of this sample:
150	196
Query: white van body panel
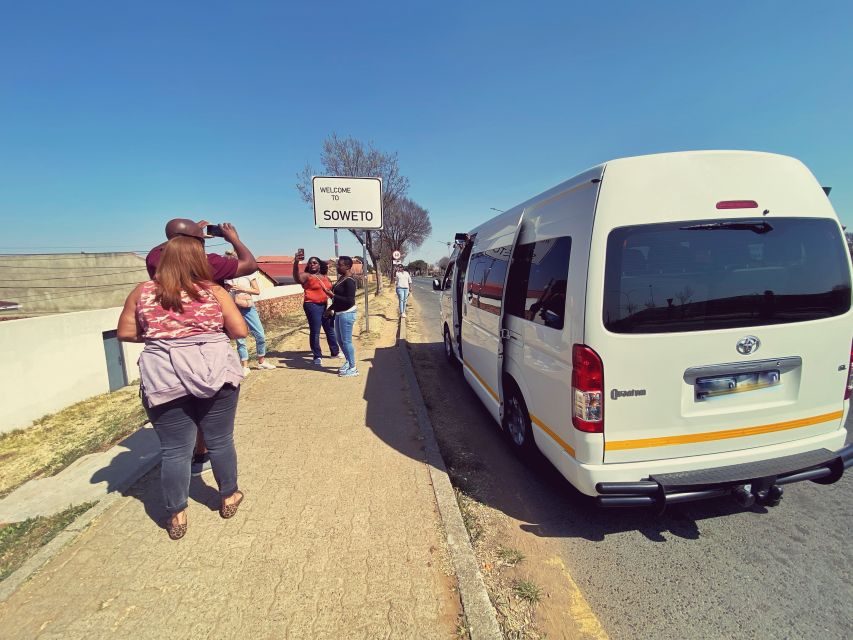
667	422
664	429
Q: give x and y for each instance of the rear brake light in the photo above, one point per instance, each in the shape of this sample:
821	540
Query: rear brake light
737	204
587	390
849	390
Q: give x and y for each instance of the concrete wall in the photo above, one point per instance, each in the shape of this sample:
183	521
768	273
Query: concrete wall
65	283
51	362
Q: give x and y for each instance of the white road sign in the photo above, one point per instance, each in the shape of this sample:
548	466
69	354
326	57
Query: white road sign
347	203
396	255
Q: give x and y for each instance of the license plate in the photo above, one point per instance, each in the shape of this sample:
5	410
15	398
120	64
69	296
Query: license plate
715	386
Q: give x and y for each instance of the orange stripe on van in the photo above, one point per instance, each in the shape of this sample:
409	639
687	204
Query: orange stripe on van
621	445
482	382
533	418
556	438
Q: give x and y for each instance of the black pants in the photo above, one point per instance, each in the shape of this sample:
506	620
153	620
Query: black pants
175	423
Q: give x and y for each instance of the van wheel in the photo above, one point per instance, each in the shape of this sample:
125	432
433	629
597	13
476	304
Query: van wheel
517	422
448	348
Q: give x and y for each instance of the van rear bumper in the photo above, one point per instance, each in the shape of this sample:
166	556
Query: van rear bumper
748	482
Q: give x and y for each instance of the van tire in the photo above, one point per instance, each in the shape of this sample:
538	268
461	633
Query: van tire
449	352
516	422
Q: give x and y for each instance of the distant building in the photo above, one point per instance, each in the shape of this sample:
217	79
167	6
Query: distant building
43	284
280	268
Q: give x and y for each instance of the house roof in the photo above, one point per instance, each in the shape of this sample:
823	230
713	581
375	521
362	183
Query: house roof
280	272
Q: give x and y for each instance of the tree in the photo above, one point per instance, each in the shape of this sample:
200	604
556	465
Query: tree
351	158
417	267
406	227
442	264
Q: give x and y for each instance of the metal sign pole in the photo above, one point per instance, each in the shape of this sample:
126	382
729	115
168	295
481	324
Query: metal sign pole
366	283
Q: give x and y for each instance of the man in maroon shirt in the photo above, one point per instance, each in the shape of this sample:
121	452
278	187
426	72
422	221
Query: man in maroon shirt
222	268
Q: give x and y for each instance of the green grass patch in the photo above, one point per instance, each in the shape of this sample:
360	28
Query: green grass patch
510	557
527	591
20	541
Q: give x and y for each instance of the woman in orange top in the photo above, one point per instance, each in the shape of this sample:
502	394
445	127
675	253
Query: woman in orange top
314	280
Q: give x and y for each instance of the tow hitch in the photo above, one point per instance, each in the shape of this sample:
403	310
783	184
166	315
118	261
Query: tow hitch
749	484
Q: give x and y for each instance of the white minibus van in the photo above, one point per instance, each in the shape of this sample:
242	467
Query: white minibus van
664	328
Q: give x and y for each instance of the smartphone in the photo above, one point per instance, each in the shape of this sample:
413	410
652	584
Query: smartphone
214	230
301	253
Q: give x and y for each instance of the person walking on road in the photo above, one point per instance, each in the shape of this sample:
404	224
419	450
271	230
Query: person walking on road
344	309
315	282
403	282
242	289
190	374
221	268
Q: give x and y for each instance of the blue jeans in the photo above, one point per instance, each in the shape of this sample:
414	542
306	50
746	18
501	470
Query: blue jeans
176	422
344	323
402	294
314	313
250	315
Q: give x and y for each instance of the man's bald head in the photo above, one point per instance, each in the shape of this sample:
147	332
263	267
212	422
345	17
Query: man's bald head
183	227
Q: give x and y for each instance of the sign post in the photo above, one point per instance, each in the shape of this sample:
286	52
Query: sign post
349	203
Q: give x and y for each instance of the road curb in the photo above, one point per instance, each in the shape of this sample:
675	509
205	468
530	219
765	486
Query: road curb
73	531
482	621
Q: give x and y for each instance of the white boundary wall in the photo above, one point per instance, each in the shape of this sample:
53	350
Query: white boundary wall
51	362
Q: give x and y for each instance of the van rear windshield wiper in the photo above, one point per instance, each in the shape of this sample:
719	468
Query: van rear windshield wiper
755	227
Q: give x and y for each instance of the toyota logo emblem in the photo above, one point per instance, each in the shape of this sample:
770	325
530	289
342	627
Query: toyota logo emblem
748	345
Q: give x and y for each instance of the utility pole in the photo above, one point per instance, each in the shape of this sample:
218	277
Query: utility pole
336	245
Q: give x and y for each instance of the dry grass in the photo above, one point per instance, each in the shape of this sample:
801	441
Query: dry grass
19	541
58	439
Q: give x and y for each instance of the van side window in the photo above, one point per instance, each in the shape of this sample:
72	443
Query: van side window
492	290
538	282
448	274
478	266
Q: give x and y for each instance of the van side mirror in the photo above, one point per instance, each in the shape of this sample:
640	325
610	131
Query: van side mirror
436	284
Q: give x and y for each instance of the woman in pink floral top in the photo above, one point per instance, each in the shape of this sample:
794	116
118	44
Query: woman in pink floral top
190	374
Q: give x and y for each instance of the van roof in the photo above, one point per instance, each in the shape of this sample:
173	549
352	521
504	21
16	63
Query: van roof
749	174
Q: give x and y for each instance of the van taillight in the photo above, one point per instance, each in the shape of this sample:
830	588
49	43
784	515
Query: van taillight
849	390
587	390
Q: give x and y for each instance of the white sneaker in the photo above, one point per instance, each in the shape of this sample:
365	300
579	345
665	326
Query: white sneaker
403	315
246	371
266	365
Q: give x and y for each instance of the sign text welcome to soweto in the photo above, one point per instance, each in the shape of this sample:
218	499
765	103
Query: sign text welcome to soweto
347	203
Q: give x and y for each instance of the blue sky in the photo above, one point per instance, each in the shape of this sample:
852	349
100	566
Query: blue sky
114	118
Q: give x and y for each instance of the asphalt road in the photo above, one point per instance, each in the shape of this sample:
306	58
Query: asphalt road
702	570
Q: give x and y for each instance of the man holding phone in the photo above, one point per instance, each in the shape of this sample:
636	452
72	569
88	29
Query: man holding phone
221	267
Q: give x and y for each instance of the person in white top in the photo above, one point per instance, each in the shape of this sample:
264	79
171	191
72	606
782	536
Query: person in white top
402	281
242	289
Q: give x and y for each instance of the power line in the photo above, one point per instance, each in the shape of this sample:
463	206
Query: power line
46	297
77	277
28	267
81	287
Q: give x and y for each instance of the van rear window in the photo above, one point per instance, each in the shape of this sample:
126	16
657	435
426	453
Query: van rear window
716	274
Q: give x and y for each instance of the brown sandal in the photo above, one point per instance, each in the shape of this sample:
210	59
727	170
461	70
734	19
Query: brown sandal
228	511
175	531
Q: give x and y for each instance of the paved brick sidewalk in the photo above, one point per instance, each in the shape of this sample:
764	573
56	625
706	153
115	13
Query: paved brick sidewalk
338	536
